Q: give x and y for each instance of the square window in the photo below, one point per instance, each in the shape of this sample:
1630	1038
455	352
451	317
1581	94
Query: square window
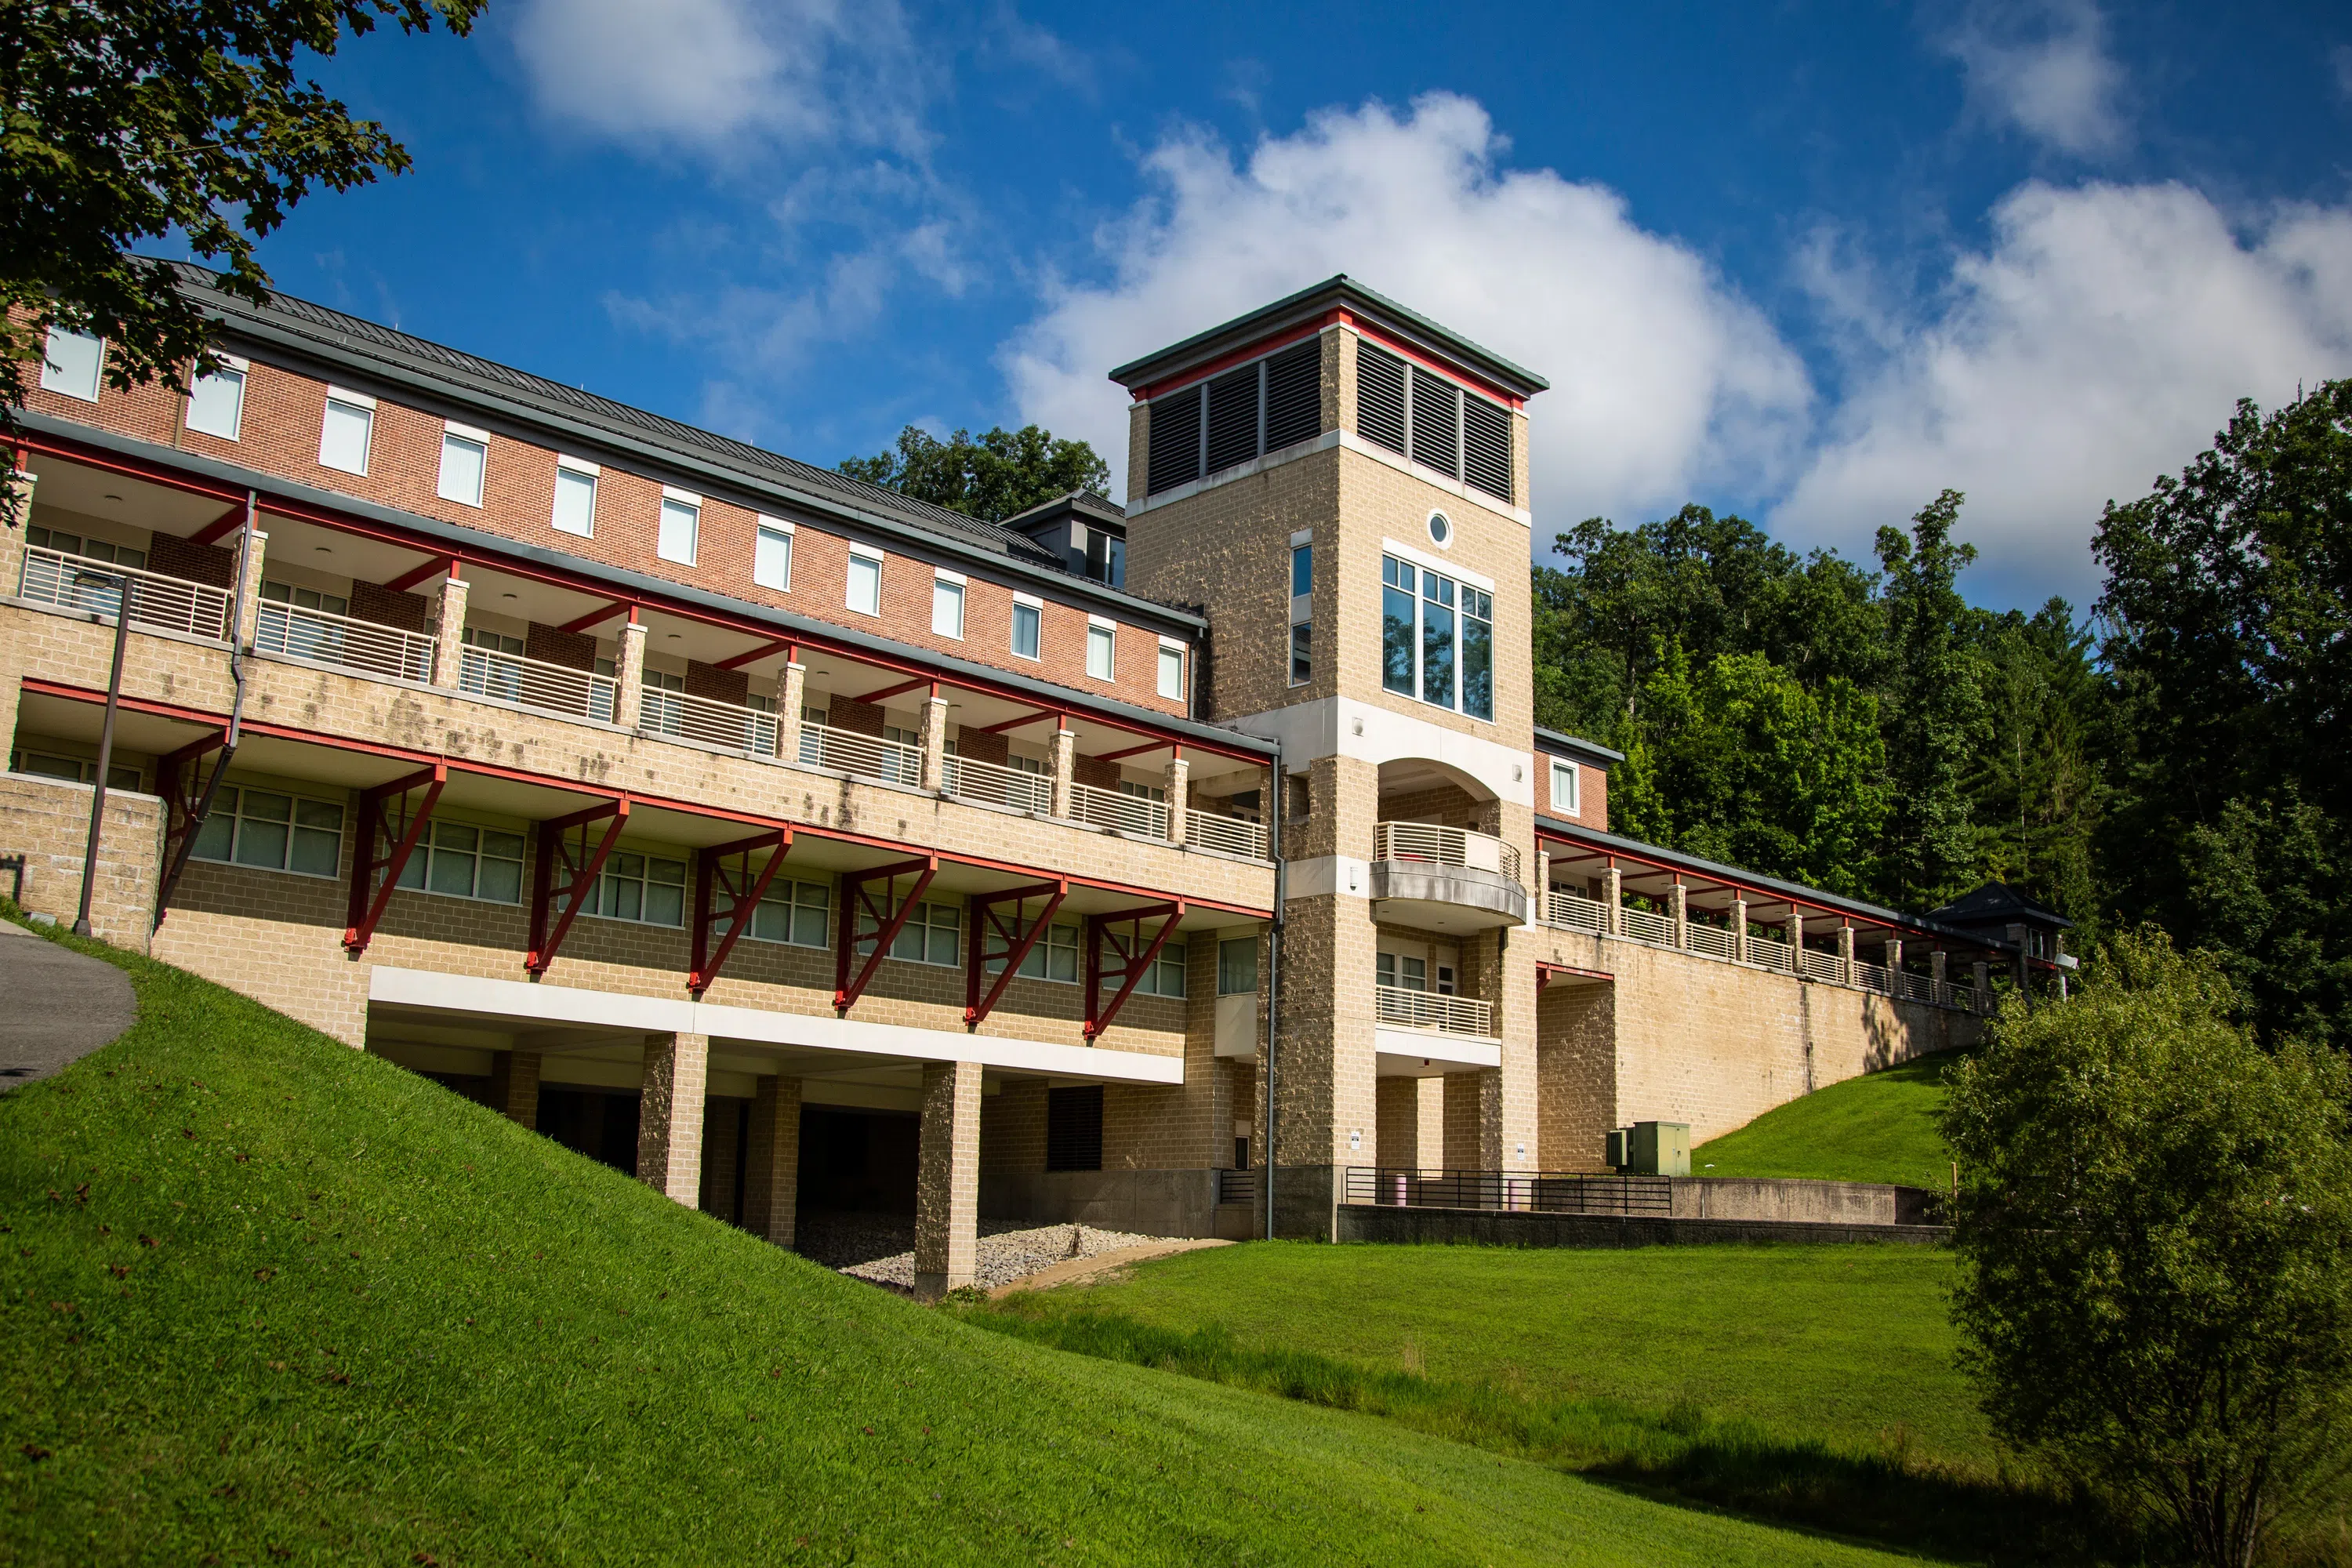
1563	787
771	558
1027	623
217	403
463	460
1102	647
575	502
947	608
344	437
681	524
865	583
72	364
1237	966
1171	671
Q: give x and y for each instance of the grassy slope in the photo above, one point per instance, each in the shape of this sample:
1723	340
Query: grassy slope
264	1299
1877	1127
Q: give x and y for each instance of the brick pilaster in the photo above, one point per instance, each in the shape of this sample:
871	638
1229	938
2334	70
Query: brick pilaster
669	1115
514	1087
629	672
1064	766
772	1164
792	695
1178	785
1740	929
934	775
249	592
947	1180
1612	897
449	626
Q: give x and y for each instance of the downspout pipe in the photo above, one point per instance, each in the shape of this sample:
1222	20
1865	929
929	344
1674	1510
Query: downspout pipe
204	807
1274	966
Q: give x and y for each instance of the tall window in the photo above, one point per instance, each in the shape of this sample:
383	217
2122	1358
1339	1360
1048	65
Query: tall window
72	363
1172	670
865	583
1028	622
345	432
772	558
681	529
947	608
273	831
462	861
217	401
1102	647
576	498
1302	613
465	455
1563	786
1237	966
1437	638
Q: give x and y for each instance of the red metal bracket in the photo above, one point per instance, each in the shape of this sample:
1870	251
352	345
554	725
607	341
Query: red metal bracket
744	887
595	616
435	566
384	846
1135	963
857	899
221	527
1008	725
580	864
186	806
987	922
763	651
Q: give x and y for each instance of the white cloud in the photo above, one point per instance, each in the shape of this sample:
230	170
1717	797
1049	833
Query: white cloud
2043	67
1664	381
2100	338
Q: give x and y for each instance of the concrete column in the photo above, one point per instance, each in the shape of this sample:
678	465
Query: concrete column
1465	1141
1984	985
1740	929
1065	763
1177	782
947	1180
1410	1135
1678	912
248	590
772	1165
1845	951
1612	899
1939	967
448	656
514	1087
629	700
792	696
1796	941
16	516
669	1115
934	774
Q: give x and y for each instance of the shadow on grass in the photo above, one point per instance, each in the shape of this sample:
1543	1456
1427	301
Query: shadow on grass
1679	1454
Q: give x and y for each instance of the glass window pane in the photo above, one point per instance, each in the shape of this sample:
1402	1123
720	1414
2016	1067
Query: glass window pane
500	882
947	609
1437	653
318	814
679	525
261	844
1397	610
412	875
219	831
453	868
1477	668
1099	652
1237	966
268	807
808	926
462	462
344	437
216	403
664	904
1302	654
771	558
575	502
1025	620
72	364
1302	571
1172	672
865	586
1384	969
505	846
315	853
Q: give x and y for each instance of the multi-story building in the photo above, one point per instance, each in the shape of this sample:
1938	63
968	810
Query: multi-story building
797	843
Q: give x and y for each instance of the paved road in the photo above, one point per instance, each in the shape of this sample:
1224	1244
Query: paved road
56	1005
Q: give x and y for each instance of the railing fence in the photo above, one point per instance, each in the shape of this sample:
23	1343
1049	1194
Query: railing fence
1525	1191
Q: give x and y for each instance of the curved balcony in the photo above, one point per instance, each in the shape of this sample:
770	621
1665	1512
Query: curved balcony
1445	878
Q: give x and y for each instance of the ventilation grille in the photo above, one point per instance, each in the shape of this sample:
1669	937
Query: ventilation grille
1232	418
1380	396
1294	395
1486	449
1434	427
1074	1129
1175	442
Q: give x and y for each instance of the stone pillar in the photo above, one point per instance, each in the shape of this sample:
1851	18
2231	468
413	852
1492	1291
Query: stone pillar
1796	941
1984	986
1678	912
1939	970
1845	951
947	1180
248	590
1177	782
1065	764
1890	957
1411	1132
1465	1140
772	1165
1543	888
629	670
514	1087
792	696
1613	901
669	1115
1740	928
448	654
16	516
934	766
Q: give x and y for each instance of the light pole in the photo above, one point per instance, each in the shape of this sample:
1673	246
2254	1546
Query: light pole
122	610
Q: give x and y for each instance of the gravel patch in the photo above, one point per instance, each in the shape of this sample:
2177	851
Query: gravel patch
880	1248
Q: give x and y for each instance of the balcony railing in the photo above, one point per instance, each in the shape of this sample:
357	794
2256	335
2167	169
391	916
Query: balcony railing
533	683
997	784
707	720
162	603
1129	814
361	645
1226	835
1407	1009
1643	926
1445	847
1713	941
868	756
1536	1192
1577	912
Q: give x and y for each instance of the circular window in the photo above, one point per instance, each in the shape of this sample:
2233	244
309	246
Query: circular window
1441	528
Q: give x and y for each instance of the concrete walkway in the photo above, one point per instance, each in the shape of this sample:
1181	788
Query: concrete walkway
56	1005
1078	1268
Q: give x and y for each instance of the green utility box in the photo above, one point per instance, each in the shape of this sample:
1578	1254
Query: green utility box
1651	1149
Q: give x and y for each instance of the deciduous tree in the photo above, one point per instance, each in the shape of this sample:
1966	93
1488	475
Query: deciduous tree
992	477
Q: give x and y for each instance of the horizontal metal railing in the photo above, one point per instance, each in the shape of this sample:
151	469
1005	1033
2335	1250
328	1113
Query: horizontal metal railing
1525	1191
1125	813
1237	1186
1576	913
1226	835
1643	926
707	720
534	683
1825	966
1771	952
361	645
1445	847
1410	1009
999	786
1714	941
160	603
847	750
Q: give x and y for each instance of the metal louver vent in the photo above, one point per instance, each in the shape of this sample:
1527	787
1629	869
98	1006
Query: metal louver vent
1294	395
1380	396
1435	433
1175	458
1487	448
1232	418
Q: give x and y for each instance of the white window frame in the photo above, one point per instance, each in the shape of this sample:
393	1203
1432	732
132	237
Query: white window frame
233	369
577	468
429	848
1037	608
463	437
593	905
778	530
64	378
1249	943
1102	634
1174	688
947	595
236	817
784	893
860	555
358	403
921	919
1568	772
690	504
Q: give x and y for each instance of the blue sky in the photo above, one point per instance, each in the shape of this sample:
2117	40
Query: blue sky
1811	263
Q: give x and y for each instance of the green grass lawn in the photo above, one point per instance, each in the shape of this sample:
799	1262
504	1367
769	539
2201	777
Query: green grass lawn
1880	1127
268	1299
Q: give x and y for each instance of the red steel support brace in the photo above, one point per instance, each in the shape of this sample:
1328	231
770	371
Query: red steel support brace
1136	960
743	889
386	843
857	899
580	865
986	921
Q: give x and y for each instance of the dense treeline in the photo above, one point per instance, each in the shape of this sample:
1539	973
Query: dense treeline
2175	755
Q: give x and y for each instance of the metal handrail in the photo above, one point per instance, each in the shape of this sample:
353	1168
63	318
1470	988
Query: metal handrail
1643	926
707	720
1226	835
365	646
1576	913
869	756
969	779
535	683
1131	814
1445	847
1525	1191
1410	1009
168	603
1713	941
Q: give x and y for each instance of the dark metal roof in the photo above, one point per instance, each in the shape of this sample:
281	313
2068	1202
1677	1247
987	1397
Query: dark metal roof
1578	747
1337	289
1998	903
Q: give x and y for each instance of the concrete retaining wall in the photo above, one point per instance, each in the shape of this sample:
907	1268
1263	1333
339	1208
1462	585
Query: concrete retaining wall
1490	1228
1803	1202
1146	1203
